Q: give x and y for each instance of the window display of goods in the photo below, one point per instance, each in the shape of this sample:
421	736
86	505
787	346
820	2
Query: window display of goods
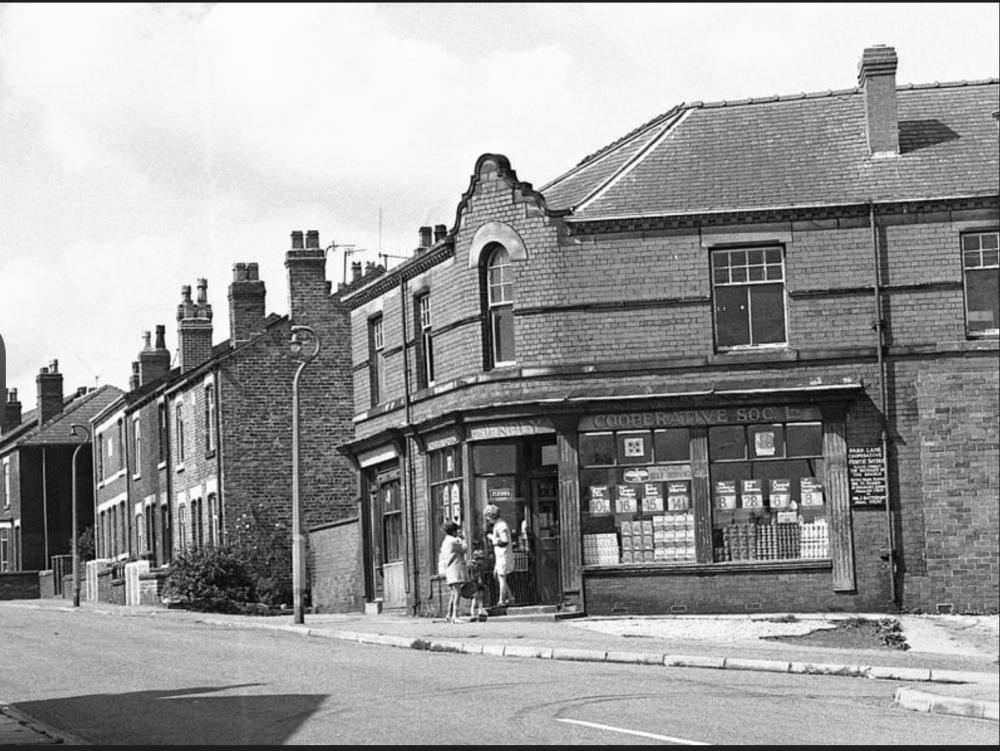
601	549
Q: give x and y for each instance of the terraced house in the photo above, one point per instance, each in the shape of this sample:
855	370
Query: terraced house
38	448
743	358
194	452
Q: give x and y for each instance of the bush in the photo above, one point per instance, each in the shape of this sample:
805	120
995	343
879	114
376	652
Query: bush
252	570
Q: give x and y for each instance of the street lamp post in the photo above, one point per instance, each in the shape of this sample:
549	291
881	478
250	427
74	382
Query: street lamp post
76	554
298	539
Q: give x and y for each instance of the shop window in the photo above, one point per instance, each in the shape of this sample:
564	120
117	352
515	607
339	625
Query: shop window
392	521
749	290
635	488
500	308
445	474
376	360
768	499
425	341
981	264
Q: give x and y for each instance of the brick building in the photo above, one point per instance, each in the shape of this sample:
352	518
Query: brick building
743	358
194	452
36	471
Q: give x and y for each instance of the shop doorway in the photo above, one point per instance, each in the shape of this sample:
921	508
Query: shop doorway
520	477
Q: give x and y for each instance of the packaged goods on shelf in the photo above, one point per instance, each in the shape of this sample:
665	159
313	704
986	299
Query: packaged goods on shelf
601	549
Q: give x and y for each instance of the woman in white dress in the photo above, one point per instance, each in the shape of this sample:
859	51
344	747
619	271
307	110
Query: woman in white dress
499	536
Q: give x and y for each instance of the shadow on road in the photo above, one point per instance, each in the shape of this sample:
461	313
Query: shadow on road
194	715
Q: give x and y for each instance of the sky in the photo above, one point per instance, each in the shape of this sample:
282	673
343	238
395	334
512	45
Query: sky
146	146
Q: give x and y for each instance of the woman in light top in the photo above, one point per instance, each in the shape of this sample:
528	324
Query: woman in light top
498	533
452	565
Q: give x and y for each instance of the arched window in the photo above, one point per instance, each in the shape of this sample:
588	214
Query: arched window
499	281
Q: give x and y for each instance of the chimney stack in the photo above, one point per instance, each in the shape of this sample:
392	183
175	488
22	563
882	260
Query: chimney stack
194	327
877	80
439	232
355	270
246	303
12	413
425	237
50	392
154	362
133	380
308	289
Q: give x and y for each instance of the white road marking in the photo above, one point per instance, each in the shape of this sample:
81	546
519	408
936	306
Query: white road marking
636	732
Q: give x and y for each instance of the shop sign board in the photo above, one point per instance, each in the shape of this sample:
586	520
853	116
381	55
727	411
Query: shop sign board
866	474
510	428
714	416
668	472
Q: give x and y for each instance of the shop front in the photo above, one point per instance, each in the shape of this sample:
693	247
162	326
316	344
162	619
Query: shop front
512	465
722	509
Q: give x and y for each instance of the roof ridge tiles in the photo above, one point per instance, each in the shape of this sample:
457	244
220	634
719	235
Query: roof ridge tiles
632	133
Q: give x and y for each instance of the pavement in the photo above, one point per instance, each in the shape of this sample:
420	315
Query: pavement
952	665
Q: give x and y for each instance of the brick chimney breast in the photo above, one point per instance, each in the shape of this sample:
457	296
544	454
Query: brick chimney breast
246	303
12	413
308	289
154	361
50	392
194	327
877	80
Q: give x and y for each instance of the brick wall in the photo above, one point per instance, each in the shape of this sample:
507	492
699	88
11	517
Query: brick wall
20	585
336	576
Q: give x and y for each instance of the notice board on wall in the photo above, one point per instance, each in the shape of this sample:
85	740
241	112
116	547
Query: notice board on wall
866	474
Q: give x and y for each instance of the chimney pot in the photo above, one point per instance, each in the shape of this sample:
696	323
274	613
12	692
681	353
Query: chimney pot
439	232
145	339
355	270
161	331
425	237
53	366
312	238
186	293
297	240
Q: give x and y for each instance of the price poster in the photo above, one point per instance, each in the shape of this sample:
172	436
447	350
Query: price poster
811	491
725	494
780	493
678	496
763	443
652	497
753	496
626	501
600	500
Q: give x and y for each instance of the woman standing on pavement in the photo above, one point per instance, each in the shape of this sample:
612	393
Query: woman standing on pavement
498	533
452	564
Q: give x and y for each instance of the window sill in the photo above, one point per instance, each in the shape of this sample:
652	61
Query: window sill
686	567
210	454
178	468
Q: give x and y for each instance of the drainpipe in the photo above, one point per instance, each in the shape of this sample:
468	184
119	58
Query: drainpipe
407	456
45	508
878	325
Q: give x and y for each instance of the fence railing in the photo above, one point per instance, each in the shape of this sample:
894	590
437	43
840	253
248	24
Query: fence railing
62	565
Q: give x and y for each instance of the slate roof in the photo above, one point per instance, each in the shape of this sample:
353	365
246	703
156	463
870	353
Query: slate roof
797	151
56	431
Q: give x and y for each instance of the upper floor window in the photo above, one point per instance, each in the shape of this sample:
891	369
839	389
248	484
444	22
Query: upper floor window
136	446
376	360
209	419
121	444
6	481
425	342
99	445
500	308
982	282
749	290
179	430
161	418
